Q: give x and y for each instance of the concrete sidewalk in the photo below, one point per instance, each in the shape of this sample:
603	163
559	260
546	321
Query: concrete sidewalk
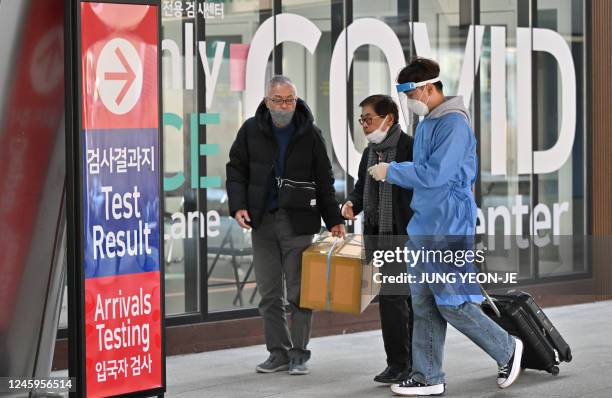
343	366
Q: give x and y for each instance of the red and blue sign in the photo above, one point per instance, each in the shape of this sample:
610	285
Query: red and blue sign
121	198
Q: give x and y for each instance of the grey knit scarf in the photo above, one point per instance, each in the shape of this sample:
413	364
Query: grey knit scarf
377	196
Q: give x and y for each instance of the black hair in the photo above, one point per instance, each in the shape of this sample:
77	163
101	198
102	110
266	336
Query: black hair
383	105
420	69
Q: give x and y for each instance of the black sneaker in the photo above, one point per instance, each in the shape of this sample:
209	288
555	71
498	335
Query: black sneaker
391	375
509	372
275	363
413	387
297	366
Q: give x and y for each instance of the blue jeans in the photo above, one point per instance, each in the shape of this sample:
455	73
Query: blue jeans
429	334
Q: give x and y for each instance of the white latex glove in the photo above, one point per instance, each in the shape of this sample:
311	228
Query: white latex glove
379	171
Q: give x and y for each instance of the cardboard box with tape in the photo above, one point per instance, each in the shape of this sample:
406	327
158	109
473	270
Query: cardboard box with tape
335	276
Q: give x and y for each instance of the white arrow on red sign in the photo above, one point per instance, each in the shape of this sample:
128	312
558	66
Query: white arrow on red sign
128	76
119	72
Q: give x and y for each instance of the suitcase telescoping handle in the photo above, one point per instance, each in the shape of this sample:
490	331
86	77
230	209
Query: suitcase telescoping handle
490	301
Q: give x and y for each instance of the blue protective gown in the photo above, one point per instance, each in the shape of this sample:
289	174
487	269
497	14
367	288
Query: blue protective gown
442	173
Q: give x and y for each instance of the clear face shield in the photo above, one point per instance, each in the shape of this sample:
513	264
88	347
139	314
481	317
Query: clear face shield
409	106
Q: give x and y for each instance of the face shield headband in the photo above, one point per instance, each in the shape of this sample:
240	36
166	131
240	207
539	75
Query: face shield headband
406	88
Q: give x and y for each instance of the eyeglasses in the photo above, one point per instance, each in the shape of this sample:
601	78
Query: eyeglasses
286	101
367	120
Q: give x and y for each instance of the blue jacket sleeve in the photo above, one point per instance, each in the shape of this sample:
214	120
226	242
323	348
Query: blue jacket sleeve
450	141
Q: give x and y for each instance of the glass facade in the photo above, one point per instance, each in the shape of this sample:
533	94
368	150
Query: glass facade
179	102
519	64
230	277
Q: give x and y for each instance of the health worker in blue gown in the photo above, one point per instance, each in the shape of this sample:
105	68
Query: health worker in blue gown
442	173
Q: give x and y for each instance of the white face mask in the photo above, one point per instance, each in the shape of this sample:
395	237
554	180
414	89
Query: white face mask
377	136
417	106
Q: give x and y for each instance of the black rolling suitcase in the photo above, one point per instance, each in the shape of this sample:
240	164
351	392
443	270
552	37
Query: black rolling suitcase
522	317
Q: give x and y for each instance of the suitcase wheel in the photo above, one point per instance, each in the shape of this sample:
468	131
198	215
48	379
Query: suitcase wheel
554	370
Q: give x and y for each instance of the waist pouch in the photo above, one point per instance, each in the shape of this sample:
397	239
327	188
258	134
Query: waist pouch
296	195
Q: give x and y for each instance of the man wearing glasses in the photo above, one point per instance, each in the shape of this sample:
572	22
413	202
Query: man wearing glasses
386	211
282	144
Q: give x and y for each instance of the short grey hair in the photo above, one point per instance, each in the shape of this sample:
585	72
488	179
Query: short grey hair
278	80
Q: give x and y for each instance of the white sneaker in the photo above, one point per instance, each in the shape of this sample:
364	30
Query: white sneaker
509	372
412	387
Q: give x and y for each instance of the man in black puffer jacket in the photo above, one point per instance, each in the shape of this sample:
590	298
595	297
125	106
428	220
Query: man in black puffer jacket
282	142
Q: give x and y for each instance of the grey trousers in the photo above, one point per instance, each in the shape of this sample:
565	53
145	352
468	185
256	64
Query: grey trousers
277	252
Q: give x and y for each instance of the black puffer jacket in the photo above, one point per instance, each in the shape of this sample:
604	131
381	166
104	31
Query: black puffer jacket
251	166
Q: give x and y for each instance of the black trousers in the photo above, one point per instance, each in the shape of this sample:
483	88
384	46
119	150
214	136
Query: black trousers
394	303
396	324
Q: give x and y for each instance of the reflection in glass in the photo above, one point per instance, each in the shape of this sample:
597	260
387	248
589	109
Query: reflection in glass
564	189
179	101
231	280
